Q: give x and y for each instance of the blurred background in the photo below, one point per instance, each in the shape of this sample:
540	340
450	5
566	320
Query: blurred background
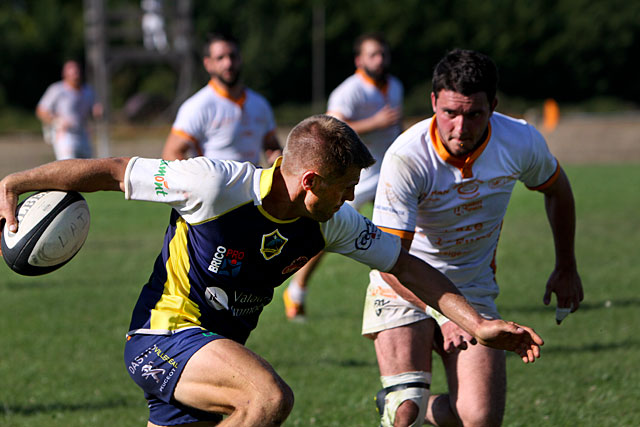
583	53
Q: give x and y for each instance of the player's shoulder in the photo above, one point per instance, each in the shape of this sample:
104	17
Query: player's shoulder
513	129
351	83
256	98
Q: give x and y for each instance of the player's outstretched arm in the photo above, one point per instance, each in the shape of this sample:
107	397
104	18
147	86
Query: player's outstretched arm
564	281
435	289
84	175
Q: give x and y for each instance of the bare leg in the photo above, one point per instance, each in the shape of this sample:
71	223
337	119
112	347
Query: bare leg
477	389
226	377
405	349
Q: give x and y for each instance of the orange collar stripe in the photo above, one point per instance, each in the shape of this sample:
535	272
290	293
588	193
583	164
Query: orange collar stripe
225	93
382	87
462	163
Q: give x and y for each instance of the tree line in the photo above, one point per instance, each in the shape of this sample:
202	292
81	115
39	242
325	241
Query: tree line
571	50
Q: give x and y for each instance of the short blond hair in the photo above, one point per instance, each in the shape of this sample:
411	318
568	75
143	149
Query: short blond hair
325	144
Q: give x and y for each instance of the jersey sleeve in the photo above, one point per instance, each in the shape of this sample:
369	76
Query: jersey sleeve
542	168
352	234
399	189
48	100
198	188
190	121
342	100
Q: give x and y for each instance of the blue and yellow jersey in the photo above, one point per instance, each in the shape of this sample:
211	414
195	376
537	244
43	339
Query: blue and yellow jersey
223	254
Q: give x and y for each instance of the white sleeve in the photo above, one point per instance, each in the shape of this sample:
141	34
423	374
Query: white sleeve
352	234
191	120
198	188
342	101
541	165
48	99
398	192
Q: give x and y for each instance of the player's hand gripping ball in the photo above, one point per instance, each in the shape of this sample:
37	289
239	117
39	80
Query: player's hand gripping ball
52	227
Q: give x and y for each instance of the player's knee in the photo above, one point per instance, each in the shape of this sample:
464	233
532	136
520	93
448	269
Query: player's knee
276	404
404	399
480	415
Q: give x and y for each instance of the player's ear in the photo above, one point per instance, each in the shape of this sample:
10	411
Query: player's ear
309	178
434	99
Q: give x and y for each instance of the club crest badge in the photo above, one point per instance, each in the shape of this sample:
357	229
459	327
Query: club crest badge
272	244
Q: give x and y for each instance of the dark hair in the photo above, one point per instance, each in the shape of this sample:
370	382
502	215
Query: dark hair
325	144
217	37
379	37
466	72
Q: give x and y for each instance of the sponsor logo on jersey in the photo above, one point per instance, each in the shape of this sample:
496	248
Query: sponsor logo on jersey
467	207
469	190
272	244
297	264
160	181
226	262
242	303
217	298
368	235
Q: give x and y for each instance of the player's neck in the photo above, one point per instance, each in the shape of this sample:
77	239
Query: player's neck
235	91
281	202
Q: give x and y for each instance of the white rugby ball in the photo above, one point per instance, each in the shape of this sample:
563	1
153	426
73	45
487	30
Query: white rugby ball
52	227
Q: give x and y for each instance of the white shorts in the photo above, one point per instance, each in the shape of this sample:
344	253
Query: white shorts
67	145
385	309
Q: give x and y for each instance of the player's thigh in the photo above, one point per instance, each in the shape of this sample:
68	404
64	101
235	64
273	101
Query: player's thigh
224	375
477	381
405	348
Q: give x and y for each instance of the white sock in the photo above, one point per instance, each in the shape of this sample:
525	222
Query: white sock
296	293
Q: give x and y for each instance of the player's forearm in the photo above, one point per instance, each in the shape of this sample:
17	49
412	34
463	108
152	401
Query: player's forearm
560	208
44	116
85	175
435	289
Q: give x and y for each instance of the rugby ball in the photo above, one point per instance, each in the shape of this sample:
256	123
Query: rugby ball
52	227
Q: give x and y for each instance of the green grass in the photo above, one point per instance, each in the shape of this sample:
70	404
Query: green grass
62	334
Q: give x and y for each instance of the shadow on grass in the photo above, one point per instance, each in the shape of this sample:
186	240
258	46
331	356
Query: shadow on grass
584	306
585	348
40	408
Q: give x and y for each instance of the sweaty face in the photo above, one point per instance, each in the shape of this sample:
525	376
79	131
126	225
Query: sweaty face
223	62
374	59
462	120
329	194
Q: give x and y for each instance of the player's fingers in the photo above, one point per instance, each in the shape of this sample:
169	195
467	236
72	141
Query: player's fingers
546	299
537	339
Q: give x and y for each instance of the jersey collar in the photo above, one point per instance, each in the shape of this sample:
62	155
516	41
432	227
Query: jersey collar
462	163
382	87
217	88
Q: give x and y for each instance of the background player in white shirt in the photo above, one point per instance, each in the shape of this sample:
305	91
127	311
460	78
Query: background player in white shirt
370	101
64	110
444	189
225	119
185	348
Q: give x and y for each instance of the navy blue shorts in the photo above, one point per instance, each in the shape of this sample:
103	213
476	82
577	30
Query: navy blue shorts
155	363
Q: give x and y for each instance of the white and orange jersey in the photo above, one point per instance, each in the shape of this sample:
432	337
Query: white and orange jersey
69	105
452	208
359	97
221	127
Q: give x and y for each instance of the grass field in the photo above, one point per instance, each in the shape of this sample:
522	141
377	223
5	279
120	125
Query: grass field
62	334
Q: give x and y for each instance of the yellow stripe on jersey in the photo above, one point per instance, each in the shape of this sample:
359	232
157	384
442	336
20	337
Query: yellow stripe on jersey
175	310
266	178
